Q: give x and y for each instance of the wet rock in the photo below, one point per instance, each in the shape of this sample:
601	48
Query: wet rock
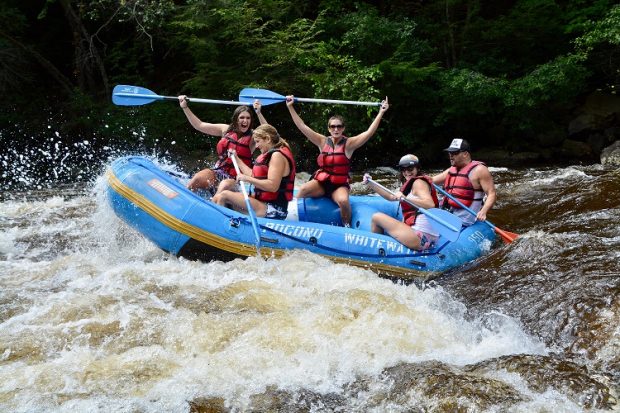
274	400
611	154
543	372
522	157
444	387
597	142
438	387
575	150
552	138
612	134
598	113
208	405
494	157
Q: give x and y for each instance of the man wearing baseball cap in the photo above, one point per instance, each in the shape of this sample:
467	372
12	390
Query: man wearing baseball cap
468	181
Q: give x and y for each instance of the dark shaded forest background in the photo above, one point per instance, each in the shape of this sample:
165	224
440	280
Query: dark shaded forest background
510	76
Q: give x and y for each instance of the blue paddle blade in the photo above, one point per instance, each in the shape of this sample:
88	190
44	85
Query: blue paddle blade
445	223
266	97
126	95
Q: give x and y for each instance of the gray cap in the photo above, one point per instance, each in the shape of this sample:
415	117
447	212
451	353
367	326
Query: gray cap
408	160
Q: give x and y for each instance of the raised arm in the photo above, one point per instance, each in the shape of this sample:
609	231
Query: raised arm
355	142
314	137
259	114
214	129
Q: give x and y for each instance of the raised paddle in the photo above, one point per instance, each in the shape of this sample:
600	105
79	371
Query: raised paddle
449	225
268	97
126	95
249	206
507	237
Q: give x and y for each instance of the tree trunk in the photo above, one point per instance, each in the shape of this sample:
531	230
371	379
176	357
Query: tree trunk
451	58
49	67
472	8
87	61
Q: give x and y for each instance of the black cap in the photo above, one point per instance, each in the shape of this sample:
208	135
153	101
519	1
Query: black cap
458	145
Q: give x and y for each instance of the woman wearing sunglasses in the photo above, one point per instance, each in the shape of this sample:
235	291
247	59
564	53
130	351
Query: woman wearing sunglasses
415	231
334	160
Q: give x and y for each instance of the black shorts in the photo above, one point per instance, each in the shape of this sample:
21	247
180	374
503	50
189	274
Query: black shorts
329	187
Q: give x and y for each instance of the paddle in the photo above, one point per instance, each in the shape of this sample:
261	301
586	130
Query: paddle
268	97
449	225
126	95
249	206
507	237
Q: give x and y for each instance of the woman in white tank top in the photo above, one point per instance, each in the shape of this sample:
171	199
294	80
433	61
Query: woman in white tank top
415	231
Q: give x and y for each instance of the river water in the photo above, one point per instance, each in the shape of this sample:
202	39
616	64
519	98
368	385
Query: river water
94	318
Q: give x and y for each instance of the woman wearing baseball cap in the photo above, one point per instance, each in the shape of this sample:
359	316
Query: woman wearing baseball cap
415	231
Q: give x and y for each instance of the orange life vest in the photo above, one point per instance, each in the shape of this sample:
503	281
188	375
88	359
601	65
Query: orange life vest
334	166
459	185
284	193
240	145
409	212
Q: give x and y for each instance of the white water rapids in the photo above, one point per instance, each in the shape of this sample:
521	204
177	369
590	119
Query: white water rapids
95	318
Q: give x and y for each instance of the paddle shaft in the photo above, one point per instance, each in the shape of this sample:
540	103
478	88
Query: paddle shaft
459	203
242	184
337	102
196	100
422	210
267	97
248	205
508	237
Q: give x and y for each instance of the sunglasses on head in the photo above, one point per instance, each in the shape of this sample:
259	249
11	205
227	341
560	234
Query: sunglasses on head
336	126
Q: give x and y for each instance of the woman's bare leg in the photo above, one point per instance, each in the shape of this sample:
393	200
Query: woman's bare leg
401	232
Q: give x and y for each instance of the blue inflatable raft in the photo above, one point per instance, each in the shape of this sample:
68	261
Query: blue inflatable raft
157	204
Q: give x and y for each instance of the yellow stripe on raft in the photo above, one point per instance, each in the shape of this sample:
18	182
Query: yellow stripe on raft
228	245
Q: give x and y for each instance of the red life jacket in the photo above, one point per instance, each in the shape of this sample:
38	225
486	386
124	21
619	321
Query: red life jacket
334	166
409	212
458	185
284	193
241	146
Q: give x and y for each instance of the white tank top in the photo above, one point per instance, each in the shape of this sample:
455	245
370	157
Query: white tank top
421	222
424	224
476	206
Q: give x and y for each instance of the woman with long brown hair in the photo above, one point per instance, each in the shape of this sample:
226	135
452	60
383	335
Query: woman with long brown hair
235	136
273	177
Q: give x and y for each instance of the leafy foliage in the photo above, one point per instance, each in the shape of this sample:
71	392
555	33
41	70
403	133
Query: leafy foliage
497	73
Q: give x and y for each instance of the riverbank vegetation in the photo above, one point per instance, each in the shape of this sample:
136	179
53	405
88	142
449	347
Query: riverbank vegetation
507	75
